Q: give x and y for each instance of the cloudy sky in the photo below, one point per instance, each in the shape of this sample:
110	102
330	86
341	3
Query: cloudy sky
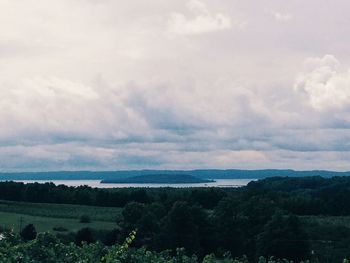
178	84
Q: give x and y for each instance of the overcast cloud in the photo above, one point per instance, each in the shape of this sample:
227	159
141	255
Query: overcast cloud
109	85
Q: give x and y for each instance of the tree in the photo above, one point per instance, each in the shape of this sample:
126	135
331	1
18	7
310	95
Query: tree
185	226
28	232
148	224
230	225
132	213
283	237
157	209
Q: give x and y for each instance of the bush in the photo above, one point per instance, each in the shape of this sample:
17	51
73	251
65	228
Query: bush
28	232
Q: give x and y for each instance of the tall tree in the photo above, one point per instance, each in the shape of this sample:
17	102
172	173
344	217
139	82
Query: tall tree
283	237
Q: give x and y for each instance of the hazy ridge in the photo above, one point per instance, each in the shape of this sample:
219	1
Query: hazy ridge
202	174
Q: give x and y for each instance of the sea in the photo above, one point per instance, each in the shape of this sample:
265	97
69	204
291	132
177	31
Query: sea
98	184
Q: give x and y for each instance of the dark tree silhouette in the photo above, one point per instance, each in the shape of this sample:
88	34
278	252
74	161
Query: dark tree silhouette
283	237
28	232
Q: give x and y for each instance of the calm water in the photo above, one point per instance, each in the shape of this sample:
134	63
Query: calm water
96	183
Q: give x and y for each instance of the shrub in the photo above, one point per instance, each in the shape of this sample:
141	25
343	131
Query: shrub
28	232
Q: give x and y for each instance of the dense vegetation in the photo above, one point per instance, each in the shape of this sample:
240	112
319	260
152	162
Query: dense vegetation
47	248
293	218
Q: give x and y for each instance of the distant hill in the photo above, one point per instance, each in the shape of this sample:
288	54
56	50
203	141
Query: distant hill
158	179
202	174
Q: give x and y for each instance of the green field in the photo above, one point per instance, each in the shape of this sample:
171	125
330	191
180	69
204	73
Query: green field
45	216
327	220
41	223
108	214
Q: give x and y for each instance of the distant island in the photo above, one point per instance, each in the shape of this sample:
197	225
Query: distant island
158	179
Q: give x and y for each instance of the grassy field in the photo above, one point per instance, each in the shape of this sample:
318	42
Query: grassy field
45	217
327	220
13	221
108	214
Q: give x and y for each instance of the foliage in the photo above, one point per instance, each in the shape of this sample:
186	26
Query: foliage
283	237
47	248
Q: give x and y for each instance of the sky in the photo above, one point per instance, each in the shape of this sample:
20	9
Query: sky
177	84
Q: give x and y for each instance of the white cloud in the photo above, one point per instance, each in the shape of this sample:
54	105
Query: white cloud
282	17
201	20
325	84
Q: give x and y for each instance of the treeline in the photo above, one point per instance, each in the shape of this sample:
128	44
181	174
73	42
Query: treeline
253	228
308	195
85	195
302	196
